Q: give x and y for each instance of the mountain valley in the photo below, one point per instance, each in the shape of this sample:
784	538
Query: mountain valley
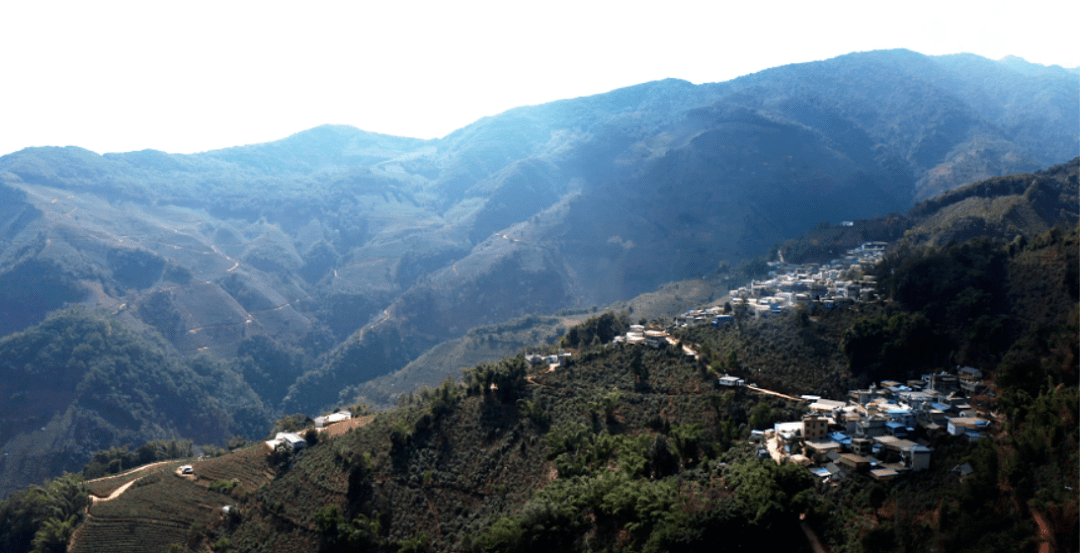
148	296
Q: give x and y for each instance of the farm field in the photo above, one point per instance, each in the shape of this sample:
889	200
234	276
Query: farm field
161	507
156	511
248	466
103	487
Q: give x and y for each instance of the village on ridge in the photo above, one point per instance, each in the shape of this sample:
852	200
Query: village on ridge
882	431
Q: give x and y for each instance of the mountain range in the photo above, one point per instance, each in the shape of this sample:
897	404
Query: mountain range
639	446
335	256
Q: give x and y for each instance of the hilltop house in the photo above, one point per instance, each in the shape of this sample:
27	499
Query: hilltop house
290	439
332	418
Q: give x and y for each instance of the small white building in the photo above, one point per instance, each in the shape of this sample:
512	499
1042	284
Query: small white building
788	431
959	426
731	381
291	439
327	420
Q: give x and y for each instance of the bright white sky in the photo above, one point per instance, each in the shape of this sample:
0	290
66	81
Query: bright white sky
193	76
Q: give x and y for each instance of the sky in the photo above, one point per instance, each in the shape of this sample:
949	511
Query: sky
192	76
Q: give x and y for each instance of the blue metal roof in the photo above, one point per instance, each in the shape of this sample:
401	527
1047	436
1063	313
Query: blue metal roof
840	438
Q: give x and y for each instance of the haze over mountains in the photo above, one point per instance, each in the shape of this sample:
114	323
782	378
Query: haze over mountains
368	249
627	446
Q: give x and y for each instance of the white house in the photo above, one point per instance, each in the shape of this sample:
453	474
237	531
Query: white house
959	426
291	439
731	381
332	418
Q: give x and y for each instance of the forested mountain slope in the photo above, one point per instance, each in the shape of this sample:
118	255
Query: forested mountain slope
633	447
335	256
80	382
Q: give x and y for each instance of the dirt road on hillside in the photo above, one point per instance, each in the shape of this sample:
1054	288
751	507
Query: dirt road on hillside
132	471
777	394
116	493
1046	537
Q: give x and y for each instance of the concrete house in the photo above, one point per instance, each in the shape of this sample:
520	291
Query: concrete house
291	439
944	382
902	416
723	320
814	427
870	427
731	381
970	379
959	426
332	418
855	463
918	457
788	431
818	450
883	474
862	446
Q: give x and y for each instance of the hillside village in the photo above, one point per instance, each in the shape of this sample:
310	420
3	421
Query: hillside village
830	285
833	284
882	431
836	283
171	300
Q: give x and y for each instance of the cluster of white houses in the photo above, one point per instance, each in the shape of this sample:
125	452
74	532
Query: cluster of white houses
555	360
290	440
652	336
295	441
335	417
839	282
882	431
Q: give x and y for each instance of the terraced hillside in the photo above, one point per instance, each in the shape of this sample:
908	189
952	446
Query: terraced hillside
154	507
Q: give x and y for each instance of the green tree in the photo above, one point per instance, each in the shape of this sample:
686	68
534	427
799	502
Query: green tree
686	438
761	416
